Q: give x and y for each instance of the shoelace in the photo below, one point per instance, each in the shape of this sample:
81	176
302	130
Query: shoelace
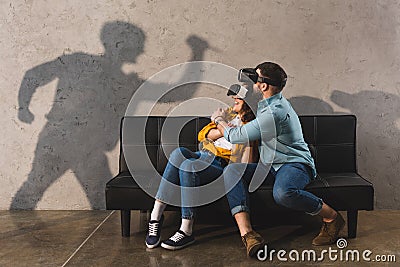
325	229
153	229
177	237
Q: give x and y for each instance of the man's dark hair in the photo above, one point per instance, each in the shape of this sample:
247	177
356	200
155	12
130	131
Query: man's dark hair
273	71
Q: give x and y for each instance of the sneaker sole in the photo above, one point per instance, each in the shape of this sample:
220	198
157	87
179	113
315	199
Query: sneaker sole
166	246
155	245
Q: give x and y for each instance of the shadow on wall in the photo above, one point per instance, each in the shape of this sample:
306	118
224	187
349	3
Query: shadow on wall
378	131
307	105
91	97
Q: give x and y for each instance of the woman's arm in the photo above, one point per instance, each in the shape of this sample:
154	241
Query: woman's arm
209	131
214	134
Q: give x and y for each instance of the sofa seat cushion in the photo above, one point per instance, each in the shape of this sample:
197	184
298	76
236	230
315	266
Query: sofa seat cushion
343	191
122	192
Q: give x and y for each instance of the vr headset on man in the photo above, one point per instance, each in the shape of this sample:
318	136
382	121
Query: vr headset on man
249	75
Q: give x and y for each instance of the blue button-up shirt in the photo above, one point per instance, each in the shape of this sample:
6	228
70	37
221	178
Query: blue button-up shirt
278	129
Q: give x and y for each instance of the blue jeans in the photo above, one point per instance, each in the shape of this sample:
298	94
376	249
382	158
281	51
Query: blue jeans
288	184
189	169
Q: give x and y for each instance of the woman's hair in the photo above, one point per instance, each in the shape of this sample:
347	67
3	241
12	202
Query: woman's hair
248	114
247	111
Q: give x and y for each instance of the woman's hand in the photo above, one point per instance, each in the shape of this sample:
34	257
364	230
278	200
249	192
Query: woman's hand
218	113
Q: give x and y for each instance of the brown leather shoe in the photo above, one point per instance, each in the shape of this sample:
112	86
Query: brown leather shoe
329	231
253	242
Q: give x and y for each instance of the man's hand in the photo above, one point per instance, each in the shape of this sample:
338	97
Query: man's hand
218	113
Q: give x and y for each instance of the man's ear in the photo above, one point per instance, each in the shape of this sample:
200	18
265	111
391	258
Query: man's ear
264	87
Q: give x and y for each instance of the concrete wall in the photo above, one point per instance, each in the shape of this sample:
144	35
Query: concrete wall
75	65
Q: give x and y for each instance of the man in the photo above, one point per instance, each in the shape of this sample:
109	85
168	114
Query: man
278	129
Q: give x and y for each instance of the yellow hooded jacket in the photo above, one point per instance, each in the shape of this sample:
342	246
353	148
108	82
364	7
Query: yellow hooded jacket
233	155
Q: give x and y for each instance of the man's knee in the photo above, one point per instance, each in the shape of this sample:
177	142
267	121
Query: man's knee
284	196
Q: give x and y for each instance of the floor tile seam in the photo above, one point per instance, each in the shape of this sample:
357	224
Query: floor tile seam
87	238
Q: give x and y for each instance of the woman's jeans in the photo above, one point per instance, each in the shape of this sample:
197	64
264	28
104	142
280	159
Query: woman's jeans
288	184
189	169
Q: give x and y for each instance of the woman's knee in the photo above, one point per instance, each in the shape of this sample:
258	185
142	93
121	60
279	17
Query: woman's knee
188	165
178	155
179	151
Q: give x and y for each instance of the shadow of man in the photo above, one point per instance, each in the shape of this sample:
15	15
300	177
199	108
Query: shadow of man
83	123
307	105
91	96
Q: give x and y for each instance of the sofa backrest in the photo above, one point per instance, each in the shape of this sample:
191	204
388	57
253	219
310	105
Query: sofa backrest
333	139
148	140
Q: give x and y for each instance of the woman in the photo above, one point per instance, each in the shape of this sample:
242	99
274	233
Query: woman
190	169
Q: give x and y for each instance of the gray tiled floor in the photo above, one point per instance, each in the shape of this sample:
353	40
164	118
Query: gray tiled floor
92	238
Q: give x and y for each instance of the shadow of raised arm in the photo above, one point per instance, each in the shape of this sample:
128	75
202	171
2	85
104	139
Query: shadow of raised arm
34	78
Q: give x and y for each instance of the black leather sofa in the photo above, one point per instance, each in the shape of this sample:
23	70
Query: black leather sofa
332	140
